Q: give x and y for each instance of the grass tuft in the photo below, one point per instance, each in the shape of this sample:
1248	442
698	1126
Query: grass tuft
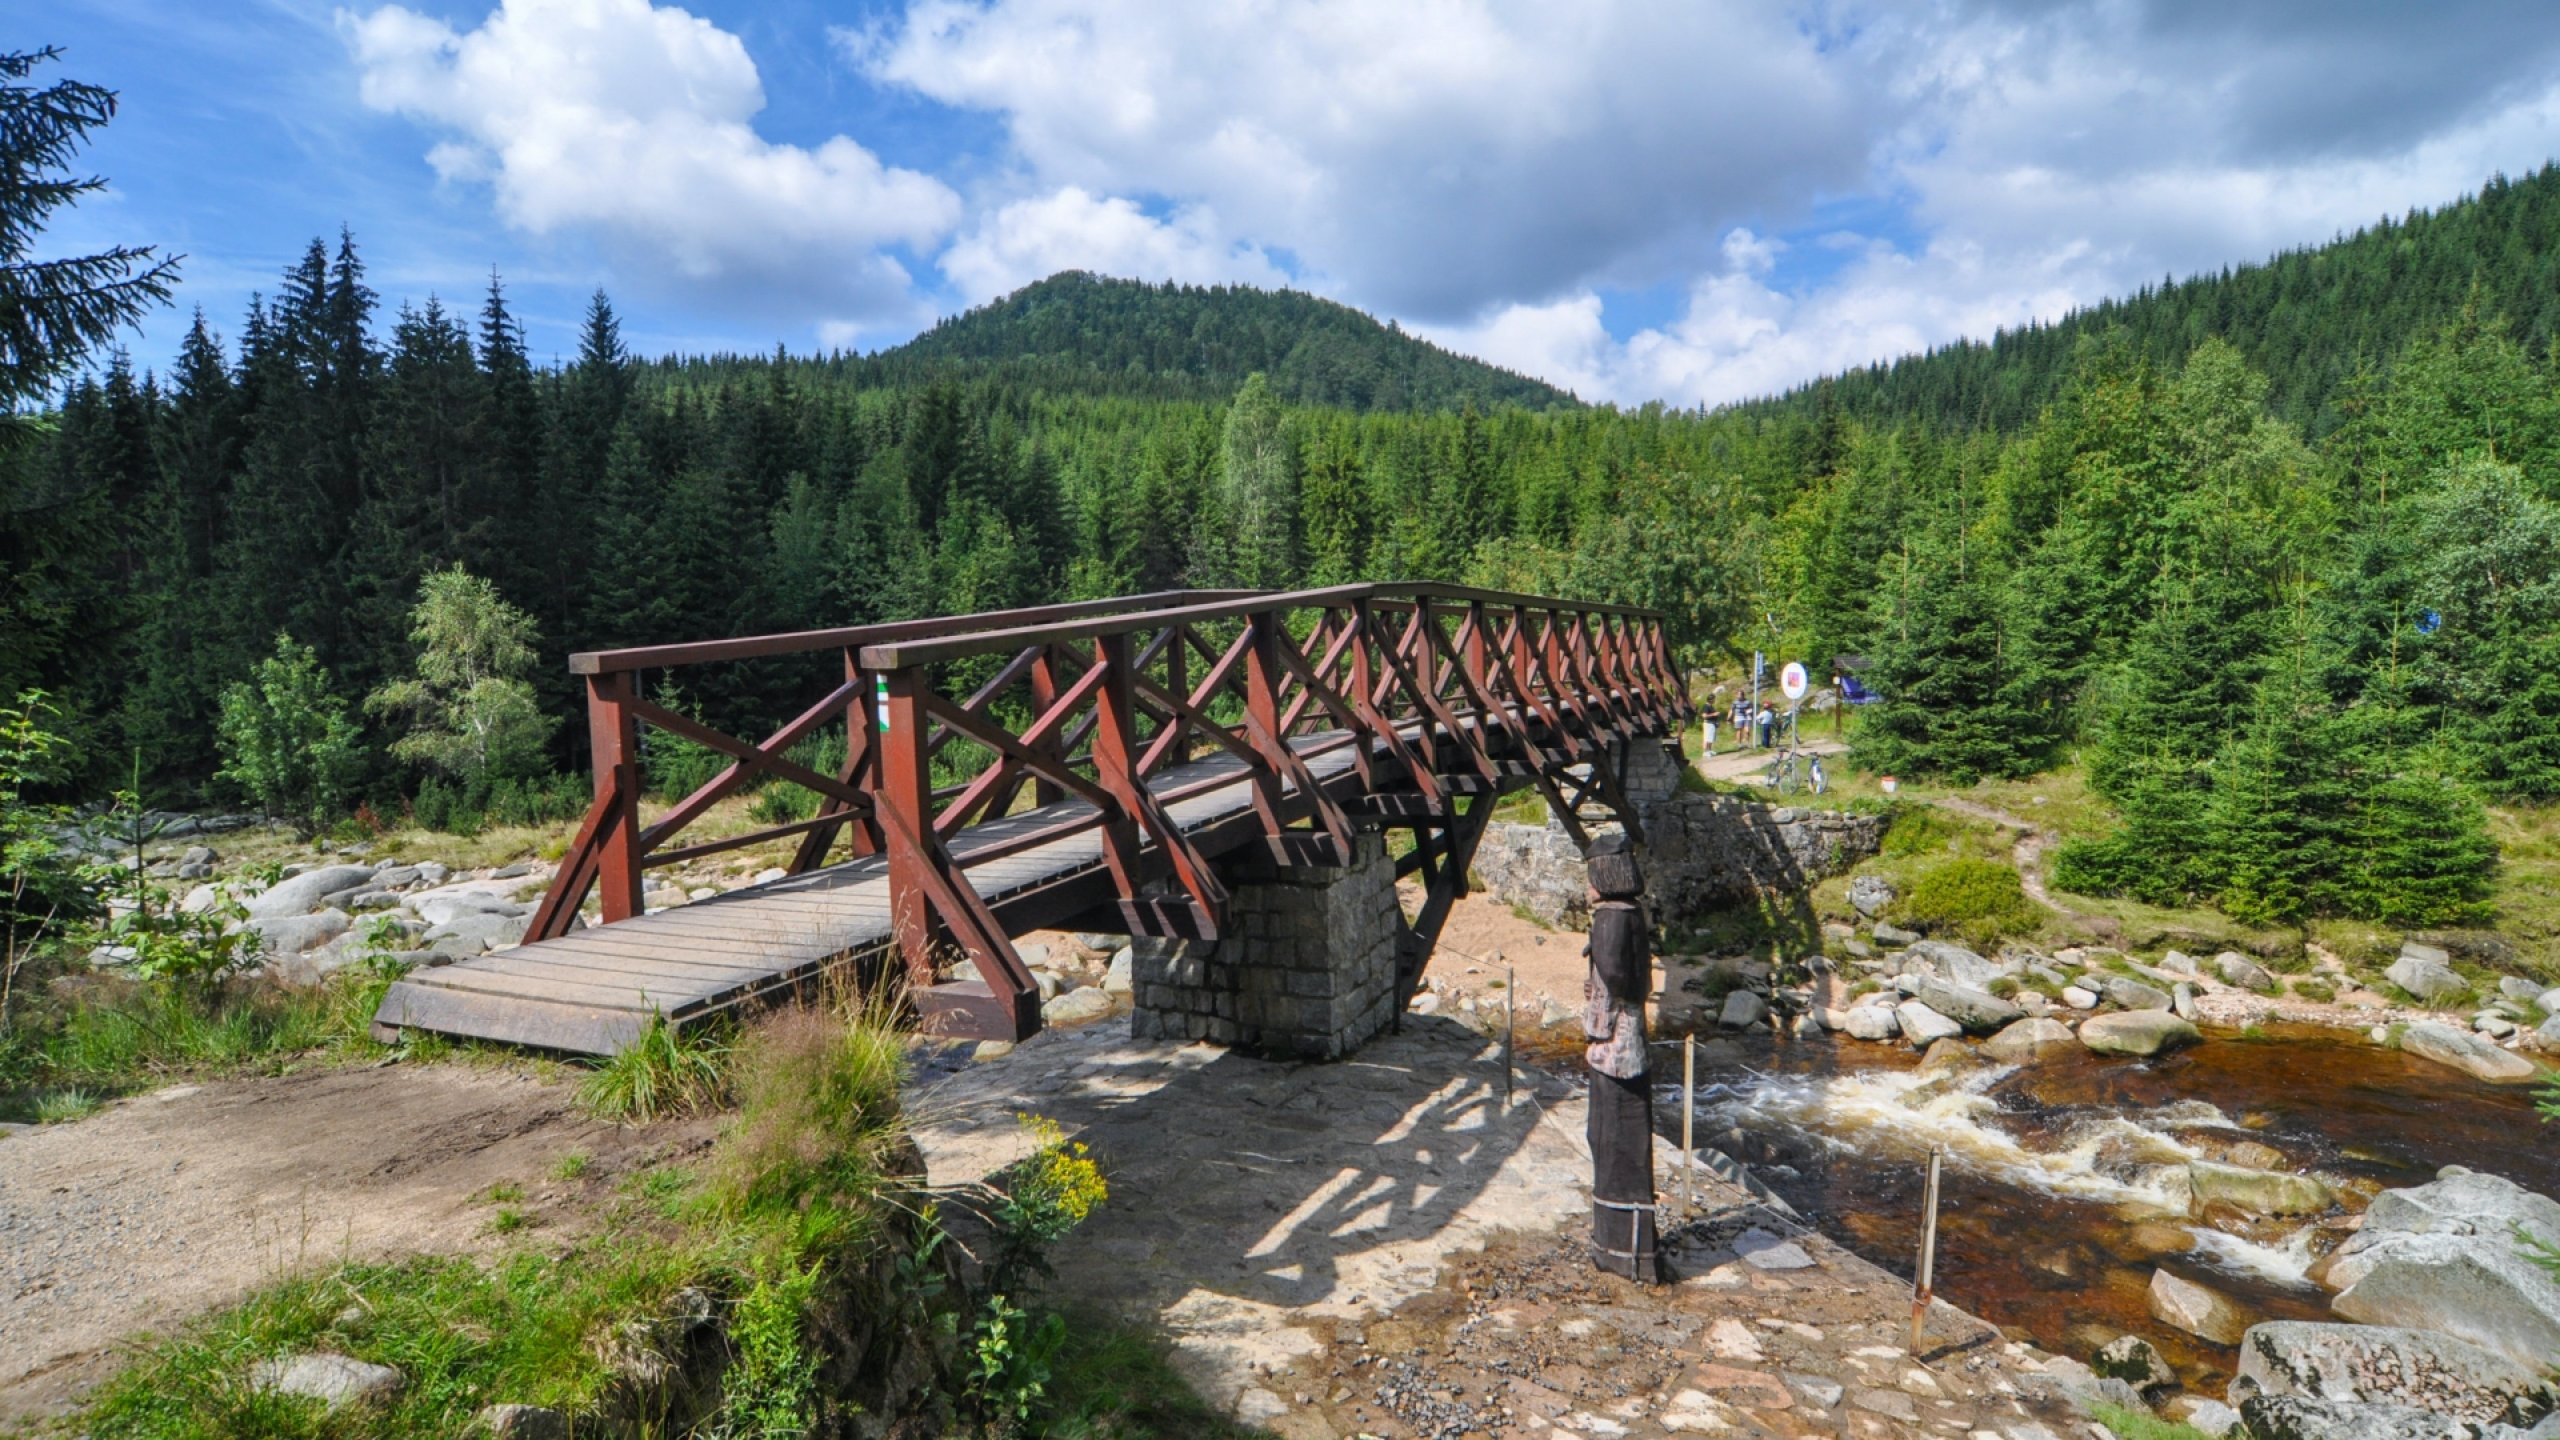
665	1072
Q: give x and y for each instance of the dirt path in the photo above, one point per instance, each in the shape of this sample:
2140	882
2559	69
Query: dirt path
173	1203
2026	854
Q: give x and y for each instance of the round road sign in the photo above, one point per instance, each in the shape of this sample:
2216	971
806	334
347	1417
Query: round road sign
1791	680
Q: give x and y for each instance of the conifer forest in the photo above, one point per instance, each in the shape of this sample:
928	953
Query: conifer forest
2275	553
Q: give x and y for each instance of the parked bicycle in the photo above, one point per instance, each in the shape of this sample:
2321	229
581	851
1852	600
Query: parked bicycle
1796	770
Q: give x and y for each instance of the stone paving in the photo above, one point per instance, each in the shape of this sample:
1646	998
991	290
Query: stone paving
1382	1246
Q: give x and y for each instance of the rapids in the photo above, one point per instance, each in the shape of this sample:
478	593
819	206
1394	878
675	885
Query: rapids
2065	1180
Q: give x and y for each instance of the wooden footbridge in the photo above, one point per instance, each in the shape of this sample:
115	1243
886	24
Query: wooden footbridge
1089	766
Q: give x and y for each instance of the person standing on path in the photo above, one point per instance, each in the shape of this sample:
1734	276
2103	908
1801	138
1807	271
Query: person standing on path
1768	726
1624	1240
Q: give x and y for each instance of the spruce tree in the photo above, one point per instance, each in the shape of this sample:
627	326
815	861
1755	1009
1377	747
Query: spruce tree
1947	705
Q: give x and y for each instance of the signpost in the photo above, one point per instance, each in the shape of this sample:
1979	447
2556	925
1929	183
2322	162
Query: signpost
1792	680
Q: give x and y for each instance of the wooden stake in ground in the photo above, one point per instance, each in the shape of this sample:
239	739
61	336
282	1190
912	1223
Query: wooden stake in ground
1928	1249
1510	1021
1688	1125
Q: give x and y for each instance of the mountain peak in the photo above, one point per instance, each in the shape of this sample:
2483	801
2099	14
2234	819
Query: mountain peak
1171	340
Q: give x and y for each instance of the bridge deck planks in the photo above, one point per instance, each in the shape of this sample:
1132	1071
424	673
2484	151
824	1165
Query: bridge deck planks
594	990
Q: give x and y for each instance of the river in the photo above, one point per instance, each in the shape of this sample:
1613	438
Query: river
2063	1184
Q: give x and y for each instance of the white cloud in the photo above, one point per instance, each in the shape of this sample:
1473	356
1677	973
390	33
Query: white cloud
1424	156
2046	164
1071	229
630	124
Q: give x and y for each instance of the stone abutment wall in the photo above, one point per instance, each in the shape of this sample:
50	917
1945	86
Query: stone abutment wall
1307	967
1701	852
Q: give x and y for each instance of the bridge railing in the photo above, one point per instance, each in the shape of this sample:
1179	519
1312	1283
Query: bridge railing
984	723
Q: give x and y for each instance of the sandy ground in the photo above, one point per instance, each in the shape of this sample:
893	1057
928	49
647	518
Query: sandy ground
176	1202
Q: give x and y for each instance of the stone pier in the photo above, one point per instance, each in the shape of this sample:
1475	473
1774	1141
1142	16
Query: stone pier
1307	966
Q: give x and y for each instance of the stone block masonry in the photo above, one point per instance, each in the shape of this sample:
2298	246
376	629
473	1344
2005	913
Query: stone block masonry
1306	967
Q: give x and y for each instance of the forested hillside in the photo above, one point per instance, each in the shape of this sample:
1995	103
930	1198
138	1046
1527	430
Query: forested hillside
2296	657
2320	323
1087	332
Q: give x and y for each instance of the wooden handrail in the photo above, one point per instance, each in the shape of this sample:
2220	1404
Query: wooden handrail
933	649
797	642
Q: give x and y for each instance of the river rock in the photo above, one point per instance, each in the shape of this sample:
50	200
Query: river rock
523	1422
1956	963
2238	969
2425	975
1121	977
487	927
1870	1022
1870	894
2518	989
2135	1361
299	895
2468	1053
333	1380
2443	1256
2129	994
2028	1040
1922	1026
2368	1364
294	934
1742	1010
1076	1007
2260	1192
2079	997
1888	934
480	896
2549	1002
2182	1000
2549	1033
2142	1033
2299	1417
1979	1011
2205	1313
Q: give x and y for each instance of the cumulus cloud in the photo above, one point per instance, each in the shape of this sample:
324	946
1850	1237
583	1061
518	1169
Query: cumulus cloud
630	123
2047	158
1423	156
1027	240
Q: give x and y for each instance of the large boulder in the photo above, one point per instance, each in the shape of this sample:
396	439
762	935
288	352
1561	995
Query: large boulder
2299	1417
1892	935
2028	1040
2259	1192
2425	974
1076	1007
304	892
2549	1002
471	897
2468	1052
2366	1364
294	934
2131	994
1742	1010
488	927
2141	1033
2203	1312
1979	1011
2238	969
1870	1022
2444	1256
2519	989
1922	1026
1956	963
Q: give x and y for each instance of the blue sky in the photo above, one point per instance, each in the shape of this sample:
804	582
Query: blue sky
1693	200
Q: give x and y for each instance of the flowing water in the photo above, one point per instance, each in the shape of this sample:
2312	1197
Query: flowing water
2063	1187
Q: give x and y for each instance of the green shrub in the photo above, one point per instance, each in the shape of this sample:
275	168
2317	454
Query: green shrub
285	738
1981	900
2317	991
1918	830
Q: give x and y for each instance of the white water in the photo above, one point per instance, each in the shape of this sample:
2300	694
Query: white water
2128	1159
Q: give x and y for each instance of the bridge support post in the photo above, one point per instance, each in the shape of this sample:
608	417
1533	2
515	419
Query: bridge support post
1306	966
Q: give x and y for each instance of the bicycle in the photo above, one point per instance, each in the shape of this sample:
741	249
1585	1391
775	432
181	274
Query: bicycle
1782	772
